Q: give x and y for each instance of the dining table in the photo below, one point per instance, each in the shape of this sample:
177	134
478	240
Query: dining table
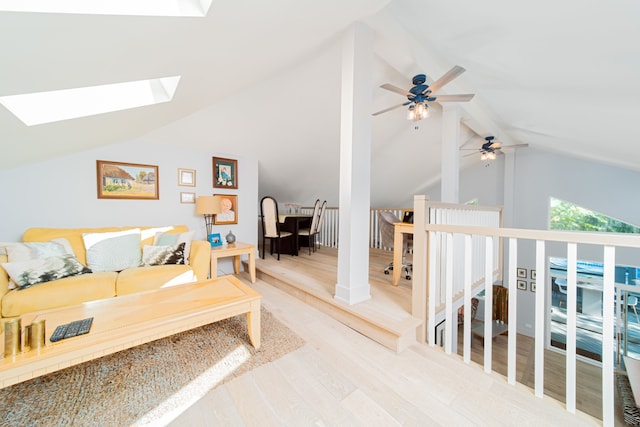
293	222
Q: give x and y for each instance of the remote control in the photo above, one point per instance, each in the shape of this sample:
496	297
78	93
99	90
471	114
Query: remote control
72	330
58	334
85	326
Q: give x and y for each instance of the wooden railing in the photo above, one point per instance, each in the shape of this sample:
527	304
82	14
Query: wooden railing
460	238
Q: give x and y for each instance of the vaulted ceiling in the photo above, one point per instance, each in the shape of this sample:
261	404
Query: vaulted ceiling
560	76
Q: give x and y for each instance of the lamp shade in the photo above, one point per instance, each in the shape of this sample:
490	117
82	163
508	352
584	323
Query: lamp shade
208	205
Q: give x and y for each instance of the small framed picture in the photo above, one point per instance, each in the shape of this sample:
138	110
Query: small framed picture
522	272
522	285
225	173
533	275
532	286
187	177
187	197
215	239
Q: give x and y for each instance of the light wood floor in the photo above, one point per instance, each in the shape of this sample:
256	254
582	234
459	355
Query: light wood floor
341	377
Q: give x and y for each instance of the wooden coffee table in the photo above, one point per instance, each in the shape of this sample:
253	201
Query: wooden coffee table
131	320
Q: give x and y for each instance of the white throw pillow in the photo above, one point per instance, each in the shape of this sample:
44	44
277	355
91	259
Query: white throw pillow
113	251
164	239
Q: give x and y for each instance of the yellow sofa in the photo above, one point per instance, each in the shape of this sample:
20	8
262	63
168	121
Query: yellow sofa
98	285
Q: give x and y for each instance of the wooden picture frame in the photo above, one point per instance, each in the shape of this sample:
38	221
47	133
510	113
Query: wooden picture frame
187	177
118	180
522	285
225	173
229	205
186	197
522	273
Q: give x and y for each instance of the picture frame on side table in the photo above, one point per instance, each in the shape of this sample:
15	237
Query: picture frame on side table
522	285
118	180
187	197
186	177
229	205
214	239
225	173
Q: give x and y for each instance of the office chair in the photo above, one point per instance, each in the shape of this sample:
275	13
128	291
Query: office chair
386	220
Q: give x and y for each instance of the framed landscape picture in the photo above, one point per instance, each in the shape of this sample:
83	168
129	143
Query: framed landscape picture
225	173
117	180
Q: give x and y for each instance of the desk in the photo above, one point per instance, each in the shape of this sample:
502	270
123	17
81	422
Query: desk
399	229
291	223
234	250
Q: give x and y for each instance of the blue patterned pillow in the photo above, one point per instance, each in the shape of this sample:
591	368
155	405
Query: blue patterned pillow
162	255
35	271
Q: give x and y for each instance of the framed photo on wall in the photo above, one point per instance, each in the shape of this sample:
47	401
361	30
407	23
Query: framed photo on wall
229	206
522	285
117	180
187	177
187	197
225	173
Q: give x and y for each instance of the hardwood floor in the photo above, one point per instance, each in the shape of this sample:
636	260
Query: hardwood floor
342	378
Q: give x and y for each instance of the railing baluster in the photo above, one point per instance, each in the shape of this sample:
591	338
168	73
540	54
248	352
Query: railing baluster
513	313
539	319
608	289
572	308
449	322
488	303
468	262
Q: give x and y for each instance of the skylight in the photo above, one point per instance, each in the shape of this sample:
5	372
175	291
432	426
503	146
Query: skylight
111	7
46	107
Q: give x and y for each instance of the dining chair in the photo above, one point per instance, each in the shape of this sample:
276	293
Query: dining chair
319	227
310	233
271	225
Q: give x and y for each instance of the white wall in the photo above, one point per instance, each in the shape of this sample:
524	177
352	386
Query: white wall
62	192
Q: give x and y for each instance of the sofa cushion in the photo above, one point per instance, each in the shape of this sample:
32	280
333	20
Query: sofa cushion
35	250
113	251
161	255
32	272
60	293
172	238
73	235
148	278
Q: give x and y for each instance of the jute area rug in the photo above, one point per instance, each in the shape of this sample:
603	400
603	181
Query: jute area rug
144	385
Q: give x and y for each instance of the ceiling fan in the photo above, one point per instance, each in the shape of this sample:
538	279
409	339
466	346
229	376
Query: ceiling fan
491	148
421	93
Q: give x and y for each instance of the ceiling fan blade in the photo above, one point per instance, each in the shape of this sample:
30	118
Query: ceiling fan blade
446	78
454	98
396	89
496	144
391	108
470	154
515	146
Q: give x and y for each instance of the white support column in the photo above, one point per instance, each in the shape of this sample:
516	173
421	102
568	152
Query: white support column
355	166
450	186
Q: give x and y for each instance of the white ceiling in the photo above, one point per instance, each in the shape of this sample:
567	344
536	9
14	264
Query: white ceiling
559	76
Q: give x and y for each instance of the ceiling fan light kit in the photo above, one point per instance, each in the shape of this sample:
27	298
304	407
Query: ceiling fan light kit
421	93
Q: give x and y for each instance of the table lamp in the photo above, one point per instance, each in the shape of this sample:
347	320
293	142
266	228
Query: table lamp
208	206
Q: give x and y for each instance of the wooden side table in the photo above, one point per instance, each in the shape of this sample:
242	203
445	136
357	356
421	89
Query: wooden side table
234	250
